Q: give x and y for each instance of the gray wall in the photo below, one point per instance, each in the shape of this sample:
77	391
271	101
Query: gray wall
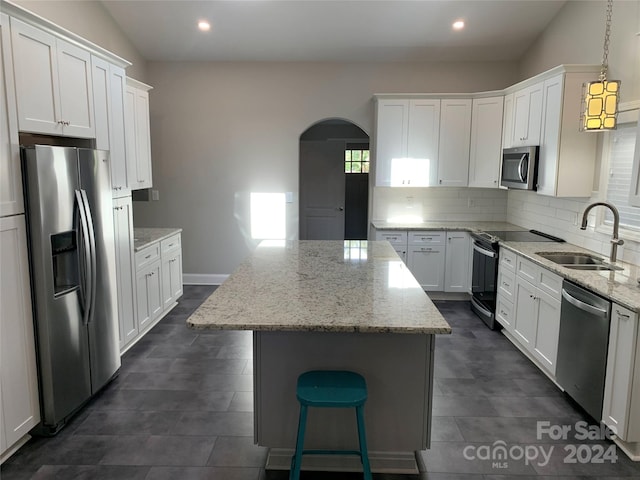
90	20
220	131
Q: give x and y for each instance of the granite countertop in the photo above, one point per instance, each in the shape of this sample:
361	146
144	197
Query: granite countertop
332	286
620	286
446	225
143	237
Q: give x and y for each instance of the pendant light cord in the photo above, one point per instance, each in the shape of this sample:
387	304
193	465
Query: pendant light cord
607	33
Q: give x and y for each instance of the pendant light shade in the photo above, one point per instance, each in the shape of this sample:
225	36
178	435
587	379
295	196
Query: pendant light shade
600	105
600	98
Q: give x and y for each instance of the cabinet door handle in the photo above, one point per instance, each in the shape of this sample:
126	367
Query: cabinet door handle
620	314
147	257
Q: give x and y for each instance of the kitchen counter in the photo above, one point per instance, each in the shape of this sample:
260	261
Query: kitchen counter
619	286
334	305
143	237
445	225
328	286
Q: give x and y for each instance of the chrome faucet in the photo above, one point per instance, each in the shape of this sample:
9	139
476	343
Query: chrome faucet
615	241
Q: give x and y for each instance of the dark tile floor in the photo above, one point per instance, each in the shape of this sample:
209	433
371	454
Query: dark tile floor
182	409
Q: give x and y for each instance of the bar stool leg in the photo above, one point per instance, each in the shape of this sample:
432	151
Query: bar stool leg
364	454
296	460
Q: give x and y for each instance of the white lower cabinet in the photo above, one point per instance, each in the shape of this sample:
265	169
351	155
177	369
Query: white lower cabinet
439	260
171	253
426	259
149	292
528	307
456	272
125	271
19	407
158	274
397	239
622	382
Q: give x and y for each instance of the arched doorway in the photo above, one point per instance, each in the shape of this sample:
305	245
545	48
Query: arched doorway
334	183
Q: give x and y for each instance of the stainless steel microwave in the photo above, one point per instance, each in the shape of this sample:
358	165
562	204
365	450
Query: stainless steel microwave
519	168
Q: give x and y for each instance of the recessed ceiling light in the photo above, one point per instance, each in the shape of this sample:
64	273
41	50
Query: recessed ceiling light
204	26
458	25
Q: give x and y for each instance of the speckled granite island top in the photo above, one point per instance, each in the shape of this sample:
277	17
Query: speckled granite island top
143	237
332	286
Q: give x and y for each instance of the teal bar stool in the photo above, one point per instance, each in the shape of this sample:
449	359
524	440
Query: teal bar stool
330	389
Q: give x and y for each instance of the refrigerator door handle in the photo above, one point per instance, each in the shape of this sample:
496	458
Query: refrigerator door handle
86	286
93	264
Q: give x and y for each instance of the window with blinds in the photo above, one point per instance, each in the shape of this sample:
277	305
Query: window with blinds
621	148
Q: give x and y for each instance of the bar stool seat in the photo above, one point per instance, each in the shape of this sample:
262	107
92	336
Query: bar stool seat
330	389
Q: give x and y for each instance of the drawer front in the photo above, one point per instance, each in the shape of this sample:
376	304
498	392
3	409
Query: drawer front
426	238
171	243
528	270
504	312
508	259
550	283
147	256
506	284
394	237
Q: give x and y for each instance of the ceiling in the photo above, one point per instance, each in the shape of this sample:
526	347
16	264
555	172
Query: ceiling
333	30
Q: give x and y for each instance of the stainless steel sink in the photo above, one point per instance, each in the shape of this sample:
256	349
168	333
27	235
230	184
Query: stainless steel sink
578	261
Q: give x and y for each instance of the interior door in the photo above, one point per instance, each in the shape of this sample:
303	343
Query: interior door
322	187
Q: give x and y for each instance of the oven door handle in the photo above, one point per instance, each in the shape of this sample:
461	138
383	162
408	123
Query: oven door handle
484	251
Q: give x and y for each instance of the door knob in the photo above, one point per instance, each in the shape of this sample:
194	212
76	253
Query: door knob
340	209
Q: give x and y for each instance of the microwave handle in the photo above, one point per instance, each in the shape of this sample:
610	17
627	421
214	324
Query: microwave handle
520	165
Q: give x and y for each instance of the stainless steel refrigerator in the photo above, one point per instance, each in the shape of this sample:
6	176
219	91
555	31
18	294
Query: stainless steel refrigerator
73	276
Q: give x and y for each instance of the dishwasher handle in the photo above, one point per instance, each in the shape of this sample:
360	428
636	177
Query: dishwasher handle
600	312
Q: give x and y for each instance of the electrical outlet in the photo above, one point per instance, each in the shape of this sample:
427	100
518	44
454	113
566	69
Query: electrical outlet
471	203
155	195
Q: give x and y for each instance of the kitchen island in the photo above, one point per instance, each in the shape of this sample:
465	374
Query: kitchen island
334	305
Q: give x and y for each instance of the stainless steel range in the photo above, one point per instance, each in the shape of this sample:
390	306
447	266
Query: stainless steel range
486	256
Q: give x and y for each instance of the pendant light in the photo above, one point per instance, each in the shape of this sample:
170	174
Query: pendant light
599	110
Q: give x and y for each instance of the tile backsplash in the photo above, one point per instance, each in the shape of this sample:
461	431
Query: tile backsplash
557	216
414	205
561	217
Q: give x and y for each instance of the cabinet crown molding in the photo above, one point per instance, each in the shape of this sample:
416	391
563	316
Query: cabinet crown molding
569	68
37	21
132	82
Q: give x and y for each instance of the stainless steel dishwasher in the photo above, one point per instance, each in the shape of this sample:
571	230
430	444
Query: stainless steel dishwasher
582	347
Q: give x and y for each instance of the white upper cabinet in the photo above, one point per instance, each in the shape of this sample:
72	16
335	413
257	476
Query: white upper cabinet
455	137
486	142
406	148
138	135
108	95
567	156
507	121
527	116
423	139
53	83
11	202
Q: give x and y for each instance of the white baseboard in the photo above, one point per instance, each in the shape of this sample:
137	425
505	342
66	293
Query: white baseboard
203	278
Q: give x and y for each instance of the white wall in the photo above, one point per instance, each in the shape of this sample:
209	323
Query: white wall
90	20
564	42
222	130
